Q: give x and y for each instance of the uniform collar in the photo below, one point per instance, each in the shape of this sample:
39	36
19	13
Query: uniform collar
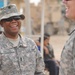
22	42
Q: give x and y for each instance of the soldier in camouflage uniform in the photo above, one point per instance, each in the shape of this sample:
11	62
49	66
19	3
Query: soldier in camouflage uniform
67	62
18	55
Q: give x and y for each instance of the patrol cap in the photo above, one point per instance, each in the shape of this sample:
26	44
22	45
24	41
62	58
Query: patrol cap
10	11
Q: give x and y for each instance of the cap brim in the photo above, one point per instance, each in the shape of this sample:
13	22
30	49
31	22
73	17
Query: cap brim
13	14
22	17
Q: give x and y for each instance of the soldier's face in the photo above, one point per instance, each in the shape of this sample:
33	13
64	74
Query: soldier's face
70	8
46	41
11	26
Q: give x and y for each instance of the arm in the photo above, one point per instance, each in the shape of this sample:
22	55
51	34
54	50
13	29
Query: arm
46	50
51	50
39	64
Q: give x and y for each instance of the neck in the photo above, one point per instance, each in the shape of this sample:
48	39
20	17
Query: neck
12	36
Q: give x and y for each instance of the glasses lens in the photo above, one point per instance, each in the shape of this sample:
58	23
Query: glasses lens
12	18
16	18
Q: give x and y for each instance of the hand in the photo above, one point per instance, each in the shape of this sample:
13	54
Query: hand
46	50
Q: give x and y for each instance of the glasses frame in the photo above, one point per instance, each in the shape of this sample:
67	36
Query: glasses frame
11	18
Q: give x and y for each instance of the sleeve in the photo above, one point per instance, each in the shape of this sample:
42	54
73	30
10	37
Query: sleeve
66	62
51	51
39	63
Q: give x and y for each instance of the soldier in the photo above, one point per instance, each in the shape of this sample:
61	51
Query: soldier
67	61
18	55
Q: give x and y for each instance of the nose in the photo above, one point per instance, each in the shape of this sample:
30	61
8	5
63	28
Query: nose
13	20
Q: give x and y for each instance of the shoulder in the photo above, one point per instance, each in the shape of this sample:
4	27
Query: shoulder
29	40
2	38
26	39
72	32
71	36
68	47
31	43
50	46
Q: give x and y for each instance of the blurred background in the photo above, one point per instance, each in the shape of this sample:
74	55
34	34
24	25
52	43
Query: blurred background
44	16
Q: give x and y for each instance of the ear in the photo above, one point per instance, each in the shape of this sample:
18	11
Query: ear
1	23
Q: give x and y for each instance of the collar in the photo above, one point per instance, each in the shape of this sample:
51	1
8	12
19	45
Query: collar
8	45
22	41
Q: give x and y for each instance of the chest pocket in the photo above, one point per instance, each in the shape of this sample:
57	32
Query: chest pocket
8	58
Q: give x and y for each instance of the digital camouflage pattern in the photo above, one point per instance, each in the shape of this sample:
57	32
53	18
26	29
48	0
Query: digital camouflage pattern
23	59
9	11
67	62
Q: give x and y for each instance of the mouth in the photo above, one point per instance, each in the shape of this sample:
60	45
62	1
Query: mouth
14	26
67	8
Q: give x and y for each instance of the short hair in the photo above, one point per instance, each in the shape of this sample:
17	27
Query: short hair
46	35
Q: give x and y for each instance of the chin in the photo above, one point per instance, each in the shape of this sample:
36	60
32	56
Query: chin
70	16
14	32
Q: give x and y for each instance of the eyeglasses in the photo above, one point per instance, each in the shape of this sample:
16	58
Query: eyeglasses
12	18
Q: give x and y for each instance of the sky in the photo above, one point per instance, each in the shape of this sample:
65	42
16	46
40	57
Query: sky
35	1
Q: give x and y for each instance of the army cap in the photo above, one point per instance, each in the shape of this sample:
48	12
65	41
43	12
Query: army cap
10	11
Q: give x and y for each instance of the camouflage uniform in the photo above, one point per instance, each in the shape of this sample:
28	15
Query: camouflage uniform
67	62
24	59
